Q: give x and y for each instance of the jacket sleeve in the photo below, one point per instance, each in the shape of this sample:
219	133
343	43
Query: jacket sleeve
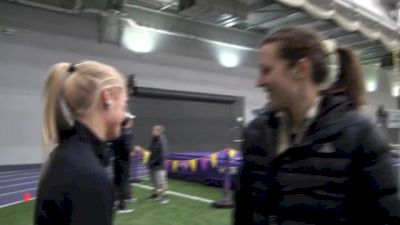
379	178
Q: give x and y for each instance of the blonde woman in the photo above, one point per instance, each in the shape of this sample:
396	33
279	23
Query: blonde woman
84	107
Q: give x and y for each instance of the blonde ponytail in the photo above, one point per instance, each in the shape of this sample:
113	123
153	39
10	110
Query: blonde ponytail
54	121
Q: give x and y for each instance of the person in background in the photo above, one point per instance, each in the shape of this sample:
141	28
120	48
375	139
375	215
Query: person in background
312	157
381	116
85	104
158	149
122	148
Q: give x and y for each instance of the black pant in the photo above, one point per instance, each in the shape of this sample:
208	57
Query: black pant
121	181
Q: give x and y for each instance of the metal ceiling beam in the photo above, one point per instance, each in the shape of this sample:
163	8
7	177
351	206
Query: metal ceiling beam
84	26
374	48
372	54
260	5
281	20
145	3
366	57
371	61
298	22
334	32
178	24
315	23
363	44
350	38
267	17
328	25
167	6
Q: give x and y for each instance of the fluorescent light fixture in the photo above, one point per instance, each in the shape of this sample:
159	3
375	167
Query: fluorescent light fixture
231	24
152	30
138	40
371	86
395	91
228	59
231	21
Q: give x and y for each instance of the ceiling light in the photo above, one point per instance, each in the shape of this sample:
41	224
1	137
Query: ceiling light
138	40
371	86
395	91
228	59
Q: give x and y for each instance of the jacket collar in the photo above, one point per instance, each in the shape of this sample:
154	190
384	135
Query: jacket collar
327	122
85	135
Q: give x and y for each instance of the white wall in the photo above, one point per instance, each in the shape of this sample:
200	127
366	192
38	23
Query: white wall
385	82
25	58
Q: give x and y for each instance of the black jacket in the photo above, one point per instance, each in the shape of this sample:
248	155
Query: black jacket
123	145
158	149
74	187
122	148
341	173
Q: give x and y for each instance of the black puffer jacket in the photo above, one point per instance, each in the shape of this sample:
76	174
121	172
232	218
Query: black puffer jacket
341	173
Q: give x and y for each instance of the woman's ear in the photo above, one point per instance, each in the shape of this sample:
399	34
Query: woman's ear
106	98
303	68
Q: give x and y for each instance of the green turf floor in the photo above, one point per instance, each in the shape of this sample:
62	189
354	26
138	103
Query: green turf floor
179	211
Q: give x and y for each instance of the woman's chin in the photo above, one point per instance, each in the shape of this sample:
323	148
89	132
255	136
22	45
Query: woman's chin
114	135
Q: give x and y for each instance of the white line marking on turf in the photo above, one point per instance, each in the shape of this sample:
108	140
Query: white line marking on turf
14	192
177	194
14	203
15	171
13	185
12	175
137	185
21	178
